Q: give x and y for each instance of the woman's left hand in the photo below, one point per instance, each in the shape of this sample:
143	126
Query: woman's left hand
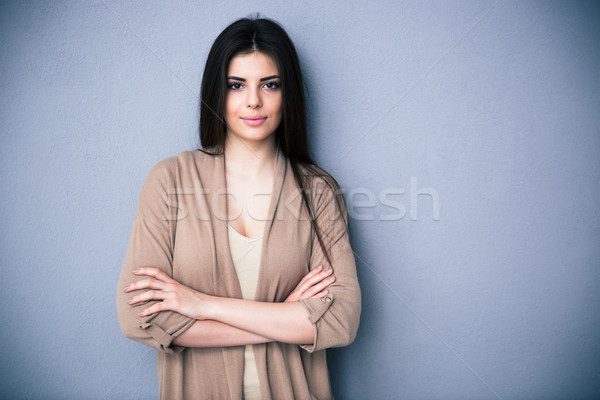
172	295
312	285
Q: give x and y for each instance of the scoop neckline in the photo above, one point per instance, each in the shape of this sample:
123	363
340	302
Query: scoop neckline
243	236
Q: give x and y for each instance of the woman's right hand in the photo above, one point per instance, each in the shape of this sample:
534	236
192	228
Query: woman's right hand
312	285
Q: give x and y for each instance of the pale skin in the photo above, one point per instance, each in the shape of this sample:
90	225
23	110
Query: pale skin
252	113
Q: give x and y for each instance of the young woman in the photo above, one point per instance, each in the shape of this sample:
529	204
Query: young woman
239	268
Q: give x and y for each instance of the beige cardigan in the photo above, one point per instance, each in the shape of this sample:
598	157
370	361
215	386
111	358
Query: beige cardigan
181	228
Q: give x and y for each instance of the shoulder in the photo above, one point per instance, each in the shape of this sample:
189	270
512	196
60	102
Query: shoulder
168	176
316	178
185	163
163	167
322	188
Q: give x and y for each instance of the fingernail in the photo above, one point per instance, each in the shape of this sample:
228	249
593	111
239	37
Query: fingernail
320	267
328	270
325	291
125	288
331	278
135	271
142	313
129	301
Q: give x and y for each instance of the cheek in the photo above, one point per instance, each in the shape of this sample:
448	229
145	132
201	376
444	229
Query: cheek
230	106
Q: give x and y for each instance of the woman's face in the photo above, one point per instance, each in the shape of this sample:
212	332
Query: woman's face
253	106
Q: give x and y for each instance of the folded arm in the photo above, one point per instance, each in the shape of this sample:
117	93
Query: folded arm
217	334
225	321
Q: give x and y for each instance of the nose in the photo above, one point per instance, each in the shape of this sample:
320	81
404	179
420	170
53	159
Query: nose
254	100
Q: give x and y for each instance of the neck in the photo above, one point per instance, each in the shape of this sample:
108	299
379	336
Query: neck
250	158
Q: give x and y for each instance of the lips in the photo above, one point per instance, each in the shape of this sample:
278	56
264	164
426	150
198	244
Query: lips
254	120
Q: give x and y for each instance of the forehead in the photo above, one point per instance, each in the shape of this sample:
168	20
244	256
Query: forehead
253	64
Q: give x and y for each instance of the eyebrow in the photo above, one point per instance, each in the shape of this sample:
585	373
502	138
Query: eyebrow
267	78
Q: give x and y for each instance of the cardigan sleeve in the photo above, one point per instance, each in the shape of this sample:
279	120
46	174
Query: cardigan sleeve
151	245
336	317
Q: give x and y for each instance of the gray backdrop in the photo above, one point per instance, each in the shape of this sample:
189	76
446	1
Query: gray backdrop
465	135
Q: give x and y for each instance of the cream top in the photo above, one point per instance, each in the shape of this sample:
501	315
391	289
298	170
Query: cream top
245	253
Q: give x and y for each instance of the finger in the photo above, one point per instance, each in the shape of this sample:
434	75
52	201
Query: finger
147	296
156	307
315	289
153	272
321	294
311	274
312	281
146	284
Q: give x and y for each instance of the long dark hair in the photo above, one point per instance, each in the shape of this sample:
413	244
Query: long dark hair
263	35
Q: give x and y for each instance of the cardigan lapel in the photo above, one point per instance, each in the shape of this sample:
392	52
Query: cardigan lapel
279	176
212	175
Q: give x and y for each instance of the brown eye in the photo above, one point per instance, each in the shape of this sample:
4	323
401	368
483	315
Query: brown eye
272	85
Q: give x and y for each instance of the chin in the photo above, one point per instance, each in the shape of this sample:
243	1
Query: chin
253	135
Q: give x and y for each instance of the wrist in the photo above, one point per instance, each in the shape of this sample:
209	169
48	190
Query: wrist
211	307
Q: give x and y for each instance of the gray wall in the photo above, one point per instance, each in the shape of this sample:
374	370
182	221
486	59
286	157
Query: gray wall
490	109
